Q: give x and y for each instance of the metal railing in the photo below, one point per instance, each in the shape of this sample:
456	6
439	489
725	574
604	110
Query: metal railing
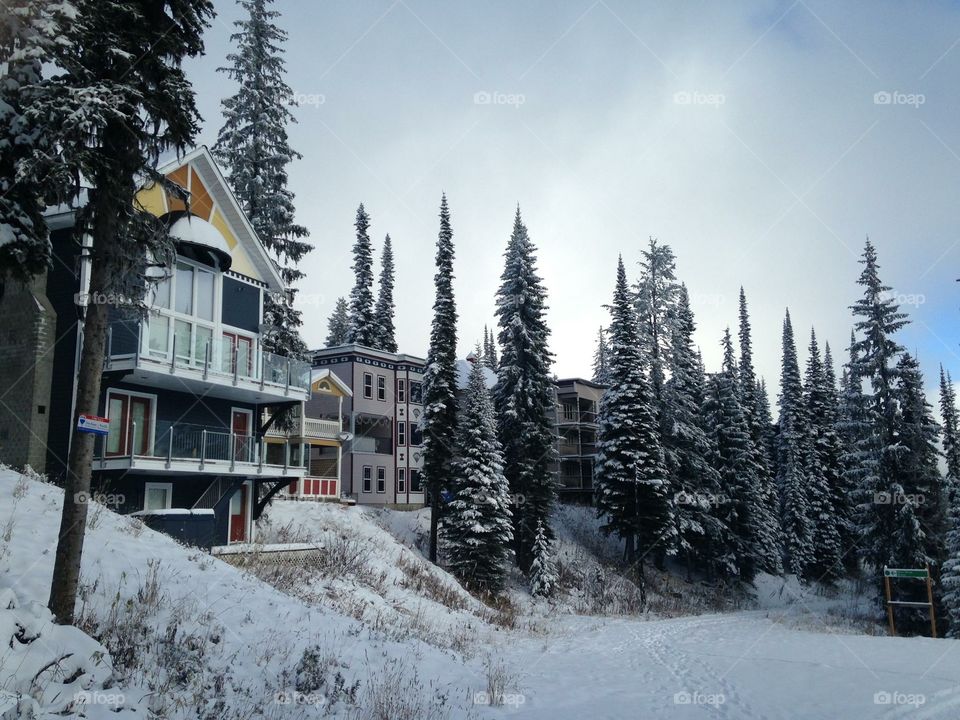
313	427
573	415
224	360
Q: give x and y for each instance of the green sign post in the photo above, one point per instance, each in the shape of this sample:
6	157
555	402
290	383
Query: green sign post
909	574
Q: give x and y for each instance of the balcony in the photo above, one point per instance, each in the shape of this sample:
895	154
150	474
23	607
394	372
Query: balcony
309	428
193	449
375	445
229	369
567	415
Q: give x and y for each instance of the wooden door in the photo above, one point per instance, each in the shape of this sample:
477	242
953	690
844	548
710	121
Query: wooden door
242	440
238	515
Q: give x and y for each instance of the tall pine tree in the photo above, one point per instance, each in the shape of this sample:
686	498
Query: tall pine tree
363	326
339	324
756	412
793	461
477	526
524	392
254	150
950	574
439	422
384	311
631	480
695	485
951	431
601	359
824	470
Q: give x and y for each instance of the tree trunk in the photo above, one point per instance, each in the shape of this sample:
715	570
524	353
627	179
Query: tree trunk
76	491
434	520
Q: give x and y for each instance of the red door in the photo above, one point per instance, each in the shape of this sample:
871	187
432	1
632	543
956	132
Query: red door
238	515
242	444
240	351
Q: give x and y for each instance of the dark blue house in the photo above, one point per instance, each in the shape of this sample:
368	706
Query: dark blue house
189	390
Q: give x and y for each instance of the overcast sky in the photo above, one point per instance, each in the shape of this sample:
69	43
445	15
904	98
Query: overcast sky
749	136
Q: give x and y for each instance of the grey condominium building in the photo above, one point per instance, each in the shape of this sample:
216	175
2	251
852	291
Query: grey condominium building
575	416
382	461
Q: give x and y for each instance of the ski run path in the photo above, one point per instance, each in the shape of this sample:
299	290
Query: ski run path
740	666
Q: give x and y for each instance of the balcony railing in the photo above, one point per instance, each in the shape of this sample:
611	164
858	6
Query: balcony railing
380	446
173	442
224	360
573	415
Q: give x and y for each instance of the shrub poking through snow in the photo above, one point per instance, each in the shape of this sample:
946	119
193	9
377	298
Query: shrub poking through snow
543	571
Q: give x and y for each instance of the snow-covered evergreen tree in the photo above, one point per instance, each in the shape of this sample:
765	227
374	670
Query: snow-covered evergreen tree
917	433
951	432
543	570
853	429
888	526
657	292
254	150
695	485
119	98
489	349
339	324
477	524
524	392
756	411
824	470
31	33
842	494
735	460
363	323
950	573
439	421
601	358
384	310
631	482
793	461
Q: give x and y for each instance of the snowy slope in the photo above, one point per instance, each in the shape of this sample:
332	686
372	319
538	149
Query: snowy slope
237	642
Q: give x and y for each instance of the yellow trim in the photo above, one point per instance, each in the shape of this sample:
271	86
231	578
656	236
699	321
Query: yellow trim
323	443
153	199
220	224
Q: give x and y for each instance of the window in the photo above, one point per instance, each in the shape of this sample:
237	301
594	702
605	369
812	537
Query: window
236	353
401	434
381	479
191	293
157	496
367	478
381	387
415	484
401	480
159	334
367	385
401	390
184	282
416	435
131	424
204	294
416	392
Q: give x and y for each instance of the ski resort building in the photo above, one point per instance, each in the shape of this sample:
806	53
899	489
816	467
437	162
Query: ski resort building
575	417
188	391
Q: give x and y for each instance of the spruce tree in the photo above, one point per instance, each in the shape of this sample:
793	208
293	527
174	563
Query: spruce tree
489	349
922	481
439	422
543	570
363	325
951	432
950	573
631	481
695	485
339	324
601	358
853	429
793	461
842	493
824	470
477	525
524	392
657	292
887	527
254	150
118	99
756	411
384	311
735	460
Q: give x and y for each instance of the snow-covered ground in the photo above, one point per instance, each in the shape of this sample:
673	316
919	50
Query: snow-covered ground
377	632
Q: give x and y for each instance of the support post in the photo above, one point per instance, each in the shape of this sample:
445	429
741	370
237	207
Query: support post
203	447
170	445
933	614
886	590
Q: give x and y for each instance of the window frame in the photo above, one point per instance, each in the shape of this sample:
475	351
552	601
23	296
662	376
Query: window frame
366	479
401	481
401	433
401	390
150	438
382	388
381	479
416	389
368	386
166	486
